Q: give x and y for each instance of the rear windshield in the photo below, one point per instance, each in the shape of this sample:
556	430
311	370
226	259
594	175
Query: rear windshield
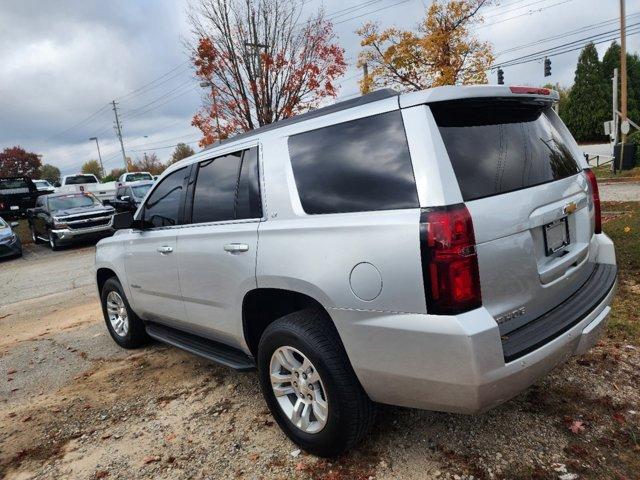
80	179
134	177
498	146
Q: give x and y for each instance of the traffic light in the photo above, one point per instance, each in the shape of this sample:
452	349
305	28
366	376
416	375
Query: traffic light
547	67
500	77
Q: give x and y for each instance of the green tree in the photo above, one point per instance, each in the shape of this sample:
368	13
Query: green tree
564	96
92	167
611	60
588	106
182	151
113	175
50	173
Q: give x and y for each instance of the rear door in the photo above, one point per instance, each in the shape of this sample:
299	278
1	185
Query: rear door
217	250
151	260
521	180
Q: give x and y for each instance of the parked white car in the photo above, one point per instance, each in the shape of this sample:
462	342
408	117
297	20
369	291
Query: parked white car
86	182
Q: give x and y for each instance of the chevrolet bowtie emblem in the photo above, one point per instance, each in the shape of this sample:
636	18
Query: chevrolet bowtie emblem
569	208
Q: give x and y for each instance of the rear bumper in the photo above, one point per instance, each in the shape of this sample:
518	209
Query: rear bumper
455	363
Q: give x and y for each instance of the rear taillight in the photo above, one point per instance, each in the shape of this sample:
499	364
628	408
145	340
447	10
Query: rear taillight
595	196
449	260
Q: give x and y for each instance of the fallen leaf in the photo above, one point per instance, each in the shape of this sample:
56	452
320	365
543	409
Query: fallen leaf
254	457
577	426
102	474
11	371
627	229
27	418
618	417
170	437
105	436
151	459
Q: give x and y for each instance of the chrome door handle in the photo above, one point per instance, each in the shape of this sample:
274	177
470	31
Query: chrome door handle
236	247
164	250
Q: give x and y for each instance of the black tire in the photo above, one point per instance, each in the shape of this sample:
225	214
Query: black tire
53	241
350	411
34	236
137	335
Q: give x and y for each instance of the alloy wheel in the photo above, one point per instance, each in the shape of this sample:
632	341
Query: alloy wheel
117	312
298	389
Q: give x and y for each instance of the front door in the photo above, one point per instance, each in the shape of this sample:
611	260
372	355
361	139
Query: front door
217	251
151	258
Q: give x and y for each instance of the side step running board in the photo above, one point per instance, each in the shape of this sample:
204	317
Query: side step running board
203	347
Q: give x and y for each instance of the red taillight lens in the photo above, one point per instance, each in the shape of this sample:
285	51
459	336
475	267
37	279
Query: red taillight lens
449	260
595	195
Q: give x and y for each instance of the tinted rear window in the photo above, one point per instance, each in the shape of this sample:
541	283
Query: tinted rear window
80	179
14	183
355	166
499	146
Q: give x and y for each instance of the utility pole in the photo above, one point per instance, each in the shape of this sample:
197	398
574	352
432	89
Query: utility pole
365	77
614	81
119	133
99	156
623	78
215	104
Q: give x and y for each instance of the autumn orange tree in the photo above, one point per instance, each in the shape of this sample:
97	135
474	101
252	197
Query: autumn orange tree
262	61
442	50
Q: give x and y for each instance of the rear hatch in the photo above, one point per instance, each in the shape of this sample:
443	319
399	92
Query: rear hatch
17	194
528	198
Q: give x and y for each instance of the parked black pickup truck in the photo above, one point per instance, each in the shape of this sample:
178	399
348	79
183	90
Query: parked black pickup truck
17	194
62	218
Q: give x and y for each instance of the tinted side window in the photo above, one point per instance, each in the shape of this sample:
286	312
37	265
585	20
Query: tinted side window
499	145
120	192
215	192
163	206
355	166
248	203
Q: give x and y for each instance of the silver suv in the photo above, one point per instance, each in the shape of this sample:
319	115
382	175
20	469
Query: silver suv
439	249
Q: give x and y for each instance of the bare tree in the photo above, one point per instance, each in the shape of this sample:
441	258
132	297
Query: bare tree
263	62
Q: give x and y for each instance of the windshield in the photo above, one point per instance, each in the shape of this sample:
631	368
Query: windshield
140	190
498	146
3	224
79	179
71	201
134	177
42	183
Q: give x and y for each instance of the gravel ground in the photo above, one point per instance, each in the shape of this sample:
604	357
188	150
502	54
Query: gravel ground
74	405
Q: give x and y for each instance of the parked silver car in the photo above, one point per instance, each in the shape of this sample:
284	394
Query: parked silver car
439	249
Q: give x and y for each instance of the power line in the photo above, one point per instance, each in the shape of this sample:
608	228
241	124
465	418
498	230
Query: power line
181	64
530	12
371	12
565	34
84	120
541	54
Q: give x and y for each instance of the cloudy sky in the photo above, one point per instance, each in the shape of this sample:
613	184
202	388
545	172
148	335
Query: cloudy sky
63	62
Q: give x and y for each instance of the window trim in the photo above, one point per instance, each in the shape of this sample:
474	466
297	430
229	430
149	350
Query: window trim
143	208
190	196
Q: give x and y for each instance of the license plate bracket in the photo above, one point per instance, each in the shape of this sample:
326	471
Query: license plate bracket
556	235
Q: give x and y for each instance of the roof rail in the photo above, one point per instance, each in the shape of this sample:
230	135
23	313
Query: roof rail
319	112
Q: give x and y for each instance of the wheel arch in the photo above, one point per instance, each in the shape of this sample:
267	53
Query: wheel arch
102	275
262	306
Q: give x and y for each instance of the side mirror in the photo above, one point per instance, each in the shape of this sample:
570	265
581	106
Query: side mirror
56	184
125	198
15	224
123	220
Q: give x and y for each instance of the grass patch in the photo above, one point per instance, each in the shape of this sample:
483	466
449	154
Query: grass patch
621	221
604	172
